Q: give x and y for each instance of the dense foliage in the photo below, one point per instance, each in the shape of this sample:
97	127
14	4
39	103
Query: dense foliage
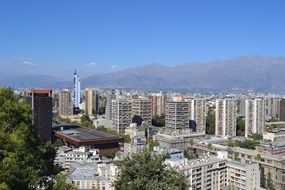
145	171
26	162
210	121
240	126
85	121
158	121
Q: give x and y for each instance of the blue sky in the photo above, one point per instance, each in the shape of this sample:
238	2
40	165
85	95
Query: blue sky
106	35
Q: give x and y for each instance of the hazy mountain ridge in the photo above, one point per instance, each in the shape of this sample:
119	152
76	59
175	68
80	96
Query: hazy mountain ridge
249	72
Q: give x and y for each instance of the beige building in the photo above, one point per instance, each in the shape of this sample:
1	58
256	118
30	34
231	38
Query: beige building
225	117
121	114
91	101
198	114
65	103
254	116
142	107
158	103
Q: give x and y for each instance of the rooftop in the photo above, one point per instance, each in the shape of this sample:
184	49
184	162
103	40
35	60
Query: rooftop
84	136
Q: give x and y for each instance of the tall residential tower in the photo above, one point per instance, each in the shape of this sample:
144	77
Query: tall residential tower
76	93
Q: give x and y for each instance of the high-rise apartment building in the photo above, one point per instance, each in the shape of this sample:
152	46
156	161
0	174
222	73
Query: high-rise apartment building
65	103
282	109
272	108
76	93
141	107
121	114
177	114
254	116
111	95
41	103
225	117
91	101
158	102
198	114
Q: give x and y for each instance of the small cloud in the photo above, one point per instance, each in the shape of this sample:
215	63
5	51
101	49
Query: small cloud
115	66
29	63
91	64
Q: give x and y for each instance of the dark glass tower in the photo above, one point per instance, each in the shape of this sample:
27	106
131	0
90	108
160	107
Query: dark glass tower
41	104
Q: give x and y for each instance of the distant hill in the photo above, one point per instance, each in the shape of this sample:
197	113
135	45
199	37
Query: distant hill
249	72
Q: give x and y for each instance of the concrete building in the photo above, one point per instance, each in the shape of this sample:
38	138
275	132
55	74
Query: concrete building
282	109
91	101
177	114
158	104
198	114
254	116
121	114
208	173
275	136
241	176
108	109
40	101
225	117
272	166
272	107
142	107
65	103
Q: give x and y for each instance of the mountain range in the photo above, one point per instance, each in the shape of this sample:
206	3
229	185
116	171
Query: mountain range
249	72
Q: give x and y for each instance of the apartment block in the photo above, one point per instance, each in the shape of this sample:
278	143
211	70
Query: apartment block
121	114
254	116
142	107
225	117
177	114
198	114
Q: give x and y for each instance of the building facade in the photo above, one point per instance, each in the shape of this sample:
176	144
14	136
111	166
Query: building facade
254	116
177	114
65	103
121	114
198	114
142	107
225	118
41	104
91	101
76	93
158	103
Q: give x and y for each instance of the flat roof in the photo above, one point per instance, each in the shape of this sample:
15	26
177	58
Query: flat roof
84	136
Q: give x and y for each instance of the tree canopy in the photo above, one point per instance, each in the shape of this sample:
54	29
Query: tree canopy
146	171
26	162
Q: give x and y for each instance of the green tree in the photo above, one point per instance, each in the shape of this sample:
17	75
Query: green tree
85	121
269	182
152	143
210	121
61	183
240	126
146	171
26	162
158	121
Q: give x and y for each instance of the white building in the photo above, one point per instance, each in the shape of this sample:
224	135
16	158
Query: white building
254	116
275	136
225	117
208	173
243	176
76	93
